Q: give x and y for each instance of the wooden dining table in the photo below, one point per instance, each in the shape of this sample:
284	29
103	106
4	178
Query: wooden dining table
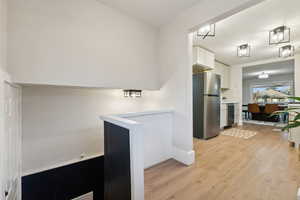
262	108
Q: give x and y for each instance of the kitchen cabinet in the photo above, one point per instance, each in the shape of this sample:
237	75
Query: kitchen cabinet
203	58
224	71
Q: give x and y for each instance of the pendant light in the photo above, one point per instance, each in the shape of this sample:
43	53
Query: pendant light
263	75
243	50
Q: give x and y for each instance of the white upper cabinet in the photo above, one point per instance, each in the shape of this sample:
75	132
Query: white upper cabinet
224	71
203	58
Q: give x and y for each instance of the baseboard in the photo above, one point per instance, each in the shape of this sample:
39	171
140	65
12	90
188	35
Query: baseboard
183	156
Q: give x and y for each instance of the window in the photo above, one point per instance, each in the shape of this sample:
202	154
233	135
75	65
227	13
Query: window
272	93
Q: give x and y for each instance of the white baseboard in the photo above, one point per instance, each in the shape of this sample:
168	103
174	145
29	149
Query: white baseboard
185	157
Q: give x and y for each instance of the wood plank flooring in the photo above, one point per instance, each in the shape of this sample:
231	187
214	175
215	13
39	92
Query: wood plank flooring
261	168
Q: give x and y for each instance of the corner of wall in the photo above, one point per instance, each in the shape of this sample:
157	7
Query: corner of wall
183	156
297	74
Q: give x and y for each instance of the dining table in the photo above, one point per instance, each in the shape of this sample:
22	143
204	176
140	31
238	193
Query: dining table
283	117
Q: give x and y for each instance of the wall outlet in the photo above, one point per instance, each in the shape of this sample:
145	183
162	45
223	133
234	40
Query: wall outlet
82	156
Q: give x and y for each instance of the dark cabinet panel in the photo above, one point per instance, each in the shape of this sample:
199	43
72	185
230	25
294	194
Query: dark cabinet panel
67	182
117	163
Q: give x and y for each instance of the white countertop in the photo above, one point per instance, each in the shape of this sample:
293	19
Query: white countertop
227	102
123	121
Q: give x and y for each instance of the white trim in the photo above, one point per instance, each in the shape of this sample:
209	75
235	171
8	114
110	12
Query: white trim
136	152
266	61
137	162
183	156
62	164
119	121
138	114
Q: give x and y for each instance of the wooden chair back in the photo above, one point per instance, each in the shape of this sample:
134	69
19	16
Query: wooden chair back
270	108
253	108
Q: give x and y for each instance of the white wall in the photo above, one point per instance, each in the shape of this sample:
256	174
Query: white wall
176	62
3	29
80	43
61	123
157	129
297	74
3	77
249	83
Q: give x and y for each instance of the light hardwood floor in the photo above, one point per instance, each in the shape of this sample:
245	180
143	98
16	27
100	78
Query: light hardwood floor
263	167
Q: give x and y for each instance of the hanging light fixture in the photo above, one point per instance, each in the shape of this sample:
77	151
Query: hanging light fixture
286	51
243	50
132	93
281	34
207	31
263	75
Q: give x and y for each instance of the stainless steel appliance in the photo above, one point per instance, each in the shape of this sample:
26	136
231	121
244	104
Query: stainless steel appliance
206	105
230	114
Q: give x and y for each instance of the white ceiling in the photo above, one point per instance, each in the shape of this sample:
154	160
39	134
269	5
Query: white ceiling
155	12
252	26
278	68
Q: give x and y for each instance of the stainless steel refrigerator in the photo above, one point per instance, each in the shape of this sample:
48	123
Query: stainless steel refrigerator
206	105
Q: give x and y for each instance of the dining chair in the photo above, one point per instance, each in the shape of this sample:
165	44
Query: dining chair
245	111
269	110
254	110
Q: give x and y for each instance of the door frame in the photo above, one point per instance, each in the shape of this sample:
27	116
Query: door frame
8	87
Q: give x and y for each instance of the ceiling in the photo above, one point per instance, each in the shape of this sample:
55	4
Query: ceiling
278	68
252	26
154	12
